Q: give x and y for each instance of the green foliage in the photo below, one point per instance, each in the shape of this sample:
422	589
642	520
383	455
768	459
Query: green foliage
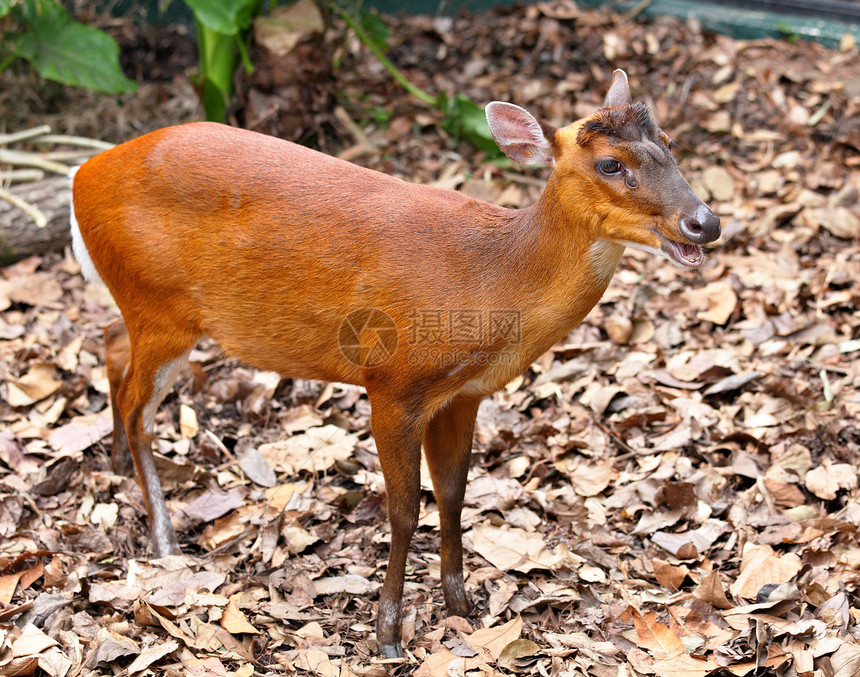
788	33
228	17
464	119
62	49
375	28
223	27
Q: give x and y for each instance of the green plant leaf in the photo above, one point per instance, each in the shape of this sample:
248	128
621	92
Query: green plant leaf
69	52
376	29
227	17
464	119
5	7
219	57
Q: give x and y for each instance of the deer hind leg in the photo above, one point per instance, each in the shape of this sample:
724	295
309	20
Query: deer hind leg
142	370
117	357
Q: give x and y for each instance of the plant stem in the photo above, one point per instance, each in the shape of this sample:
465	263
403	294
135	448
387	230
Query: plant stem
390	67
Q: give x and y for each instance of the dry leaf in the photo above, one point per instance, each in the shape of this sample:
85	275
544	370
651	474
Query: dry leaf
509	548
316	662
37	384
188	426
444	663
352	584
684	666
37	289
110	646
826	480
491	642
8	586
82	432
699	539
721	302
710	590
234	621
150	655
760	566
590	479
670	575
719	183
654	636
314	451
519	648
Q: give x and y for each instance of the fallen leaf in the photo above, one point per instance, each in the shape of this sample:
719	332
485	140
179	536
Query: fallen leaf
8	586
235	622
316	662
109	646
654	636
684	666
37	289
152	654
761	566
188	426
718	181
352	584
256	468
710	589
491	642
37	384
211	505
700	539
828	479
510	548
314	451
519	648
82	432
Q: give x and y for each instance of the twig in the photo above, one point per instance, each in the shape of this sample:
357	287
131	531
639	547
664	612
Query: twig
31	210
633	12
82	141
525	180
22	175
24	134
379	54
352	127
25	159
61	155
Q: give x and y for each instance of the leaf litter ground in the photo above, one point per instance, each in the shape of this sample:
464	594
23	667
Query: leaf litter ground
671	490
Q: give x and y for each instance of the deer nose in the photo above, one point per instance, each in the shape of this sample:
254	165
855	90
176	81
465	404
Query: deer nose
702	227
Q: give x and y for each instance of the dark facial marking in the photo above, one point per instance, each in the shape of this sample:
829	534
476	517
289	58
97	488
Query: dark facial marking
627	123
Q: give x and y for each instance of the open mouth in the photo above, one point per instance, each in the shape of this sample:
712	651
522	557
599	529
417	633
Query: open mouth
682	253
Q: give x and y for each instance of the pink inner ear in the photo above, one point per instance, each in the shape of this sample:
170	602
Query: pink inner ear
518	134
516	127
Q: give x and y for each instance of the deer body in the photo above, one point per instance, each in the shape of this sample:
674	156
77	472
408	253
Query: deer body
300	263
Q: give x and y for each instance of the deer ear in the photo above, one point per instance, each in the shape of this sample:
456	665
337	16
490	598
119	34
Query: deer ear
519	134
619	92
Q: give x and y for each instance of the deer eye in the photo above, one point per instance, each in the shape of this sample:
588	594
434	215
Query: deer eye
609	167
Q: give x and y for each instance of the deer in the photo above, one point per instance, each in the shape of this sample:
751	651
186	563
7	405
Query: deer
303	264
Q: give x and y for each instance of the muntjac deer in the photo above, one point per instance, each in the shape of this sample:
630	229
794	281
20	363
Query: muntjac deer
312	267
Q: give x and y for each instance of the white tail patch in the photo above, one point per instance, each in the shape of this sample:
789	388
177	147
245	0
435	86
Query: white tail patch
88	270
